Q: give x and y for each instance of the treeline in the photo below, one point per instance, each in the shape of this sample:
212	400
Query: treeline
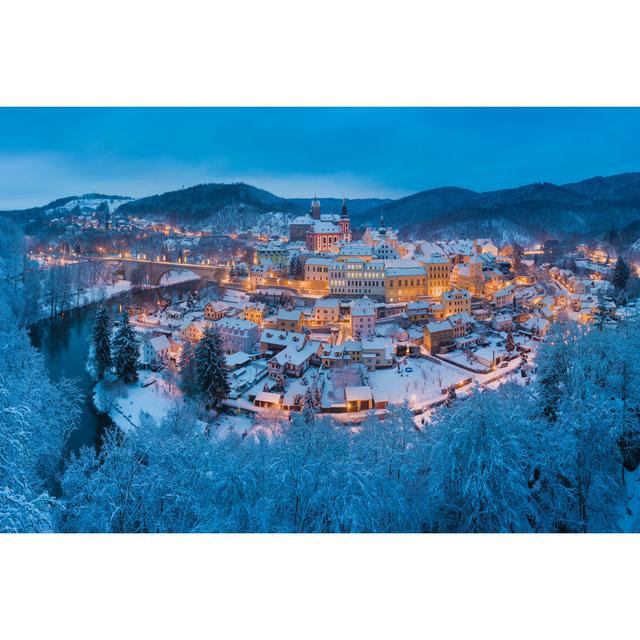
554	456
36	414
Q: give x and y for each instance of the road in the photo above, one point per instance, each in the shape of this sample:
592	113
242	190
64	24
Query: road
164	263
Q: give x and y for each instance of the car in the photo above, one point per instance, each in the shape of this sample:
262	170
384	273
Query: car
502	365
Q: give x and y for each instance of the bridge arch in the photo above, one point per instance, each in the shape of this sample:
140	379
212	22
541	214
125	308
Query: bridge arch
157	277
154	271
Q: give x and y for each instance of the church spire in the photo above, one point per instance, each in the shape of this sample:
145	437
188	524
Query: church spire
315	208
344	213
382	230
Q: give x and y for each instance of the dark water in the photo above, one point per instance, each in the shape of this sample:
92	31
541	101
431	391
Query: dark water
64	343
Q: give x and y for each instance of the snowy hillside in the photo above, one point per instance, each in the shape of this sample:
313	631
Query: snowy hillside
87	203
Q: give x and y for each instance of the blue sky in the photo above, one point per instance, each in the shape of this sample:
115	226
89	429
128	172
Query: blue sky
47	153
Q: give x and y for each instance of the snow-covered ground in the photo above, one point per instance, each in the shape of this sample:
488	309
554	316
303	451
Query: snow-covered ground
97	294
151	395
94	294
420	386
630	519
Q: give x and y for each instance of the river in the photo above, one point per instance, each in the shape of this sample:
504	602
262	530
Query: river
64	343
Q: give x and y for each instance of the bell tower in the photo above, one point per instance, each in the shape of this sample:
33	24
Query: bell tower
344	219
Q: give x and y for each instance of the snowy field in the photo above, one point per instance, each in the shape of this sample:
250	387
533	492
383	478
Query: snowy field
420	386
154	399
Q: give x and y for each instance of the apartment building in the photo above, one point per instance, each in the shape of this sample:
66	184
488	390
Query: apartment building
326	310
403	284
237	335
438	270
254	312
354	278
274	255
215	310
289	320
438	335
316	272
456	301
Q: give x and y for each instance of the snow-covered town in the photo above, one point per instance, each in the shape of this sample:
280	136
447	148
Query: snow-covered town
246	333
349	325
228	334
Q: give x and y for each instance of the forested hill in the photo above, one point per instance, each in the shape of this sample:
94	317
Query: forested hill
85	202
207	201
589	208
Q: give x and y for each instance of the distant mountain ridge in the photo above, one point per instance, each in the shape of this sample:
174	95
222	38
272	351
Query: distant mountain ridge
535	211
588	208
207	201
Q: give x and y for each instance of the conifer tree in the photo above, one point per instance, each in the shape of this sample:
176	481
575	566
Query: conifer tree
600	316
101	339
620	275
188	377
510	344
126	351
279	386
309	405
211	373
451	395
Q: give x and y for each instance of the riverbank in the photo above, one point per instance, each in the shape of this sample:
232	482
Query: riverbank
64	343
127	404
101	293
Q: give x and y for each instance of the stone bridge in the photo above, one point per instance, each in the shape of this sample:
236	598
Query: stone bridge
153	270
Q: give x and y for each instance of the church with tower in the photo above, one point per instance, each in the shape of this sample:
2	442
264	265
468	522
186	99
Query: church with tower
321	232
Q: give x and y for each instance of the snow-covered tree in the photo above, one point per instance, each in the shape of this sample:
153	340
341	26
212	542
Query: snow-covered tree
509	344
101	342
211	373
620	274
478	456
280	384
451	396
125	351
595	408
188	375
36	417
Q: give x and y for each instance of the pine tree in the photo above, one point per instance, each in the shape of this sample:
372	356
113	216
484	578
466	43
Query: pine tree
279	386
451	395
101	339
126	351
510	345
317	396
620	275
600	316
188	377
309	405
524	359
211	373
